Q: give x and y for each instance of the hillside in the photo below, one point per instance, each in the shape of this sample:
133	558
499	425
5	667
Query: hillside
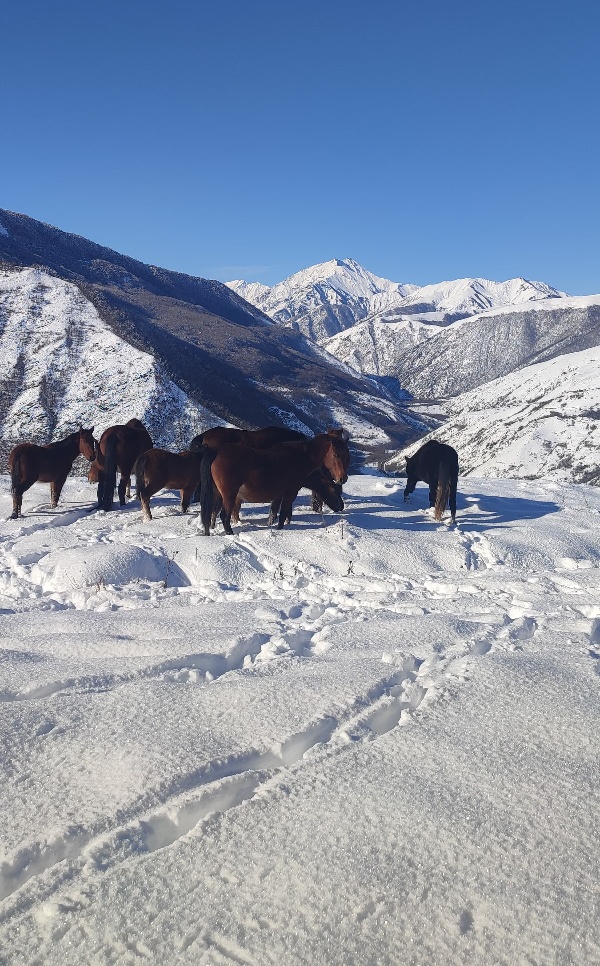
223	354
474	351
542	421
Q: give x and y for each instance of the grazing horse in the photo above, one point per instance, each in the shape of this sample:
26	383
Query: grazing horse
158	468
262	476
264	438
316	502
118	449
219	436
324	490
434	463
51	464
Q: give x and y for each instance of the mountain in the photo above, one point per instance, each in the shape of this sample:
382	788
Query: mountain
473	351
224	356
543	420
61	365
446	302
324	299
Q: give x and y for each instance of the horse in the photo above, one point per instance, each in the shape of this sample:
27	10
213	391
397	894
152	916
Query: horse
51	464
434	463
158	468
262	476
118	448
220	436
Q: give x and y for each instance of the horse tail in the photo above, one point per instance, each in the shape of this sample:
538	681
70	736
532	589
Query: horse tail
110	471
15	473
443	488
206	489
197	444
138	471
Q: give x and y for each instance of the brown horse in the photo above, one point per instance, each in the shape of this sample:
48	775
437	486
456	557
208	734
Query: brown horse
220	436
118	449
319	482
157	469
51	464
262	476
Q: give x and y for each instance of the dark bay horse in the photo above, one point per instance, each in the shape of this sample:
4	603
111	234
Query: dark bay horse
434	463
262	476
220	436
51	464
118	448
158	468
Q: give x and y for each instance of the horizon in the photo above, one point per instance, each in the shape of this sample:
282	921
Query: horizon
235	143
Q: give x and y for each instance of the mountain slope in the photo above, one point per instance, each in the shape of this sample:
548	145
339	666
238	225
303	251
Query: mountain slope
543	420
473	351
223	353
62	365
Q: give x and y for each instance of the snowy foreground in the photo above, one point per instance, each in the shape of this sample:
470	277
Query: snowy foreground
368	739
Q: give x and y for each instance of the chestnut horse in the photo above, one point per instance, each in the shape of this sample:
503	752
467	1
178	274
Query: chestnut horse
158	468
220	436
265	475
51	464
436	464
118	449
319	482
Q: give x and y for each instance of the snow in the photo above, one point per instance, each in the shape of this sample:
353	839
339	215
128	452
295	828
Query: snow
364	739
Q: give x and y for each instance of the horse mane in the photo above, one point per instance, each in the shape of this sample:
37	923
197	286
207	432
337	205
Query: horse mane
67	441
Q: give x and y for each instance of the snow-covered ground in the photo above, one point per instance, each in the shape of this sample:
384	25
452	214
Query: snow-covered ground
368	739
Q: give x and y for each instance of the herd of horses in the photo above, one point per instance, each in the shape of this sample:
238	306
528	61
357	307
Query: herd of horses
222	468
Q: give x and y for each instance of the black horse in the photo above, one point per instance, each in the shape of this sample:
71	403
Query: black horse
434	463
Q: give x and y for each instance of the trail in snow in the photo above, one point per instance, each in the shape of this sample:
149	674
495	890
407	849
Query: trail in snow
165	696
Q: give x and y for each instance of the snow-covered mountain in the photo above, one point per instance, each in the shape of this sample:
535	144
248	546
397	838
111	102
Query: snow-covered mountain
543	420
470	296
324	299
63	366
335	296
473	351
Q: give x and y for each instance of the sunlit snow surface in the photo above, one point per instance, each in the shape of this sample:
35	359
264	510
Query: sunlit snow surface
368	739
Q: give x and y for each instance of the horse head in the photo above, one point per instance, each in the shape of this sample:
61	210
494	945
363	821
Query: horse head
87	443
337	459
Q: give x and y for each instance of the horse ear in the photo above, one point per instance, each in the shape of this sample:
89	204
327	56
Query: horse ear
92	430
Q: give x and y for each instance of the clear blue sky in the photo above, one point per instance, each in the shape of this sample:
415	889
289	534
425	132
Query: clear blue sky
429	140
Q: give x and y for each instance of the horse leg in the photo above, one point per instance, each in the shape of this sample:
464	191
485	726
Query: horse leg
285	513
433	485
411	483
274	511
452	500
235	513
18	492
316	503
122	489
128	488
217	507
186	496
56	489
144	494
